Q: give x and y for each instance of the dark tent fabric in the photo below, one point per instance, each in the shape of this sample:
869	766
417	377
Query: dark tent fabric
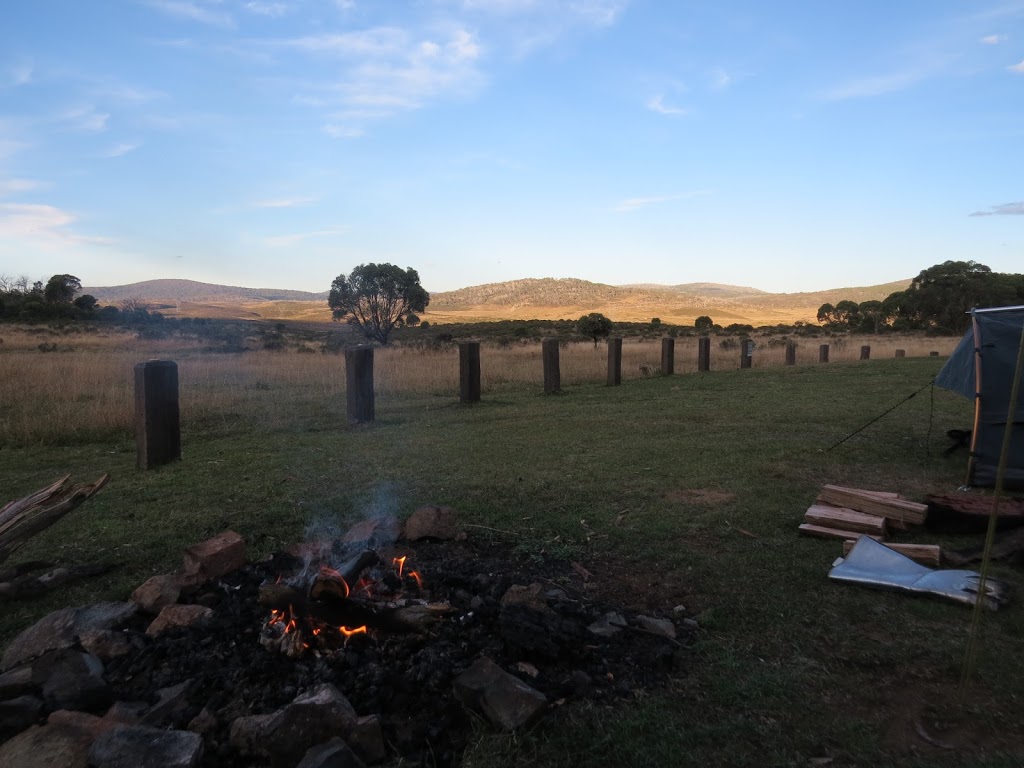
982	366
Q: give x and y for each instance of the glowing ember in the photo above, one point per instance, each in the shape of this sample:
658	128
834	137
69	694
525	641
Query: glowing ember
349	632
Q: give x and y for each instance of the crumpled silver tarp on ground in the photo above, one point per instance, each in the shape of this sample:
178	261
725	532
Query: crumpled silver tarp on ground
872	564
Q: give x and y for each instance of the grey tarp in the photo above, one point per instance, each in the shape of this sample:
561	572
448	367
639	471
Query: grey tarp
998	341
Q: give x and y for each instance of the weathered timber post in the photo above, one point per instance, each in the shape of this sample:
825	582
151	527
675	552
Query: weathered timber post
157	418
704	353
823	353
746	353
933	354
668	357
359	384
614	362
790	353
552	375
469	371
865	352
901	353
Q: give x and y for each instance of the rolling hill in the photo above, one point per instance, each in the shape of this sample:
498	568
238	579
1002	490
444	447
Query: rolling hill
527	299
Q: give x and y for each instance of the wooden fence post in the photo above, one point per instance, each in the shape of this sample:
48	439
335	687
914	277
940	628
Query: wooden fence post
823	353
704	353
552	375
901	353
157	417
469	371
865	352
668	357
933	354
614	362
790	353
746	353
359	384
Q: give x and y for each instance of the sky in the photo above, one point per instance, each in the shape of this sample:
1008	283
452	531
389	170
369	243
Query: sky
783	145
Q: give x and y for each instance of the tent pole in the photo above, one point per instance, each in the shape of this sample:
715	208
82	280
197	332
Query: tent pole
976	327
990	533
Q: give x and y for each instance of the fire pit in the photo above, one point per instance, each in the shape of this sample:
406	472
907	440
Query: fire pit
393	651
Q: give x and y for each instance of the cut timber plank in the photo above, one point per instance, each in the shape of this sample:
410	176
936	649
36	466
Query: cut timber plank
845	519
925	554
897	525
891	509
820	531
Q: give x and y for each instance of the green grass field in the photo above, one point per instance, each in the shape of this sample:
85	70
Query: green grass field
648	485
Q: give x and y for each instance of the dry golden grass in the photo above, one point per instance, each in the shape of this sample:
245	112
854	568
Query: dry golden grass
86	390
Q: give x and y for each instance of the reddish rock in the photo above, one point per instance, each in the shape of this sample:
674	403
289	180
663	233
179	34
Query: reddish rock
528	597
47	746
367	739
86	724
178	616
212	558
431	522
126	712
105	644
156	593
504	699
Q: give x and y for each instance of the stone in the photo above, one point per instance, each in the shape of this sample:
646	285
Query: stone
126	712
367	739
61	629
432	522
17	682
157	592
46	746
18	714
203	723
530	597
691	624
106	644
312	718
607	625
212	558
374	533
171	707
332	754
505	700
88	725
70	679
177	616
136	746
662	627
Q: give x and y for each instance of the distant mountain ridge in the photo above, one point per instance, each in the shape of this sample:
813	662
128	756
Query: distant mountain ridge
527	299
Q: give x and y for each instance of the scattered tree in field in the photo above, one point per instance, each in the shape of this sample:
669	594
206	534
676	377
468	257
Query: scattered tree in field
595	325
826	313
377	297
655	322
61	289
703	323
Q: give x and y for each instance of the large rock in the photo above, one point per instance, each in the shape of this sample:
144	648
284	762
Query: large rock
18	714
373	533
62	628
662	627
431	522
89	725
70	679
530	597
504	699
334	754
178	616
367	739
106	644
47	746
17	682
212	558
171	707
312	718
134	746
157	592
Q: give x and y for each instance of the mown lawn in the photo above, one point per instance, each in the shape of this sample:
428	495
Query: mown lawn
684	490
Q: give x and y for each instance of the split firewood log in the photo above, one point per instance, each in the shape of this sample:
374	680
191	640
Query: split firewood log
23	583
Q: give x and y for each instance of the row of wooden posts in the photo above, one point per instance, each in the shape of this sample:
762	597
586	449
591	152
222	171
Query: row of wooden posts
158	423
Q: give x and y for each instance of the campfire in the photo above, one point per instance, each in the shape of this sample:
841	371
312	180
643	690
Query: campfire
322	607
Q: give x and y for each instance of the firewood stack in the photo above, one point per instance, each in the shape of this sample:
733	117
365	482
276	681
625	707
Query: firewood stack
849	513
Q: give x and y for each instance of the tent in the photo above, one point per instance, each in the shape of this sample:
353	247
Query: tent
982	367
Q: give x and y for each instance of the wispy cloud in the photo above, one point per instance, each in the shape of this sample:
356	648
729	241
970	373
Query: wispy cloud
1017	67
13	186
1006	209
283	241
183	9
284	202
273	10
720	79
878	85
341	131
657	104
85	119
21	75
42	225
600	13
993	39
122	149
636	203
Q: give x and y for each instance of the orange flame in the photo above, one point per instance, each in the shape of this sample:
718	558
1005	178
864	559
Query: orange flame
419	579
329	572
349	632
400	562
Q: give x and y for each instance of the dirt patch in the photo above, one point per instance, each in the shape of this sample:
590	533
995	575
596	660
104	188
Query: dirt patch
701	496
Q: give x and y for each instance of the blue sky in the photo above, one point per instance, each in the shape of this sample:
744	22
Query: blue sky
279	143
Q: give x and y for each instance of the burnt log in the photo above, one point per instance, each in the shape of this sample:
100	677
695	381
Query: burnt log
336	611
25	584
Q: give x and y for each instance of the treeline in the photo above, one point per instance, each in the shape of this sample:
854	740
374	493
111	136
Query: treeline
937	301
